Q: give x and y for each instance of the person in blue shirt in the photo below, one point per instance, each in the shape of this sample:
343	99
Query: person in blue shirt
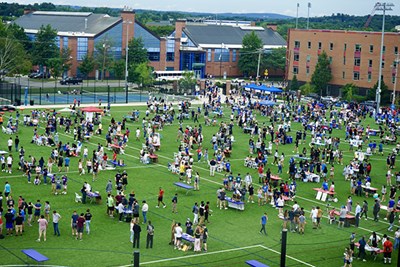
228	166
264	220
238	181
325	185
390	207
66	163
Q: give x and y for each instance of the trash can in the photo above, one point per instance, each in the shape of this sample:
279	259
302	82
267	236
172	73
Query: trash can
32	102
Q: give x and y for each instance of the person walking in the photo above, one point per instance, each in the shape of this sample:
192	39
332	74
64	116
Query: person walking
264	220
56	219
175	203
160	198
74	219
80	223
364	210
397	239
358	215
361	248
16	143
136	235
10	144
88	219
42	228
377	208
150	235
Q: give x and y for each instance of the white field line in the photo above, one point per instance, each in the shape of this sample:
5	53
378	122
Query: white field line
290	257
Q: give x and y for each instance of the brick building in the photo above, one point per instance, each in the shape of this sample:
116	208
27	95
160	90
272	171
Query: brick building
200	47
354	56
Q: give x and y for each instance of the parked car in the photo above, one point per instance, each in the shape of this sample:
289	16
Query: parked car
41	75
7	108
314	96
330	98
237	81
71	80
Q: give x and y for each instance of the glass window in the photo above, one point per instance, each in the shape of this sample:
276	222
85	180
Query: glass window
384	49
319	45
209	55
357	61
356	75
170	56
221	55
308	58
370	63
154	56
369	76
383	64
296	44
295	70
393	78
371	49
82	50
234	55
331	46
344	60
396	50
309	45
345	47
296	57
343	75
358	48
65	42
330	60
307	70
57	41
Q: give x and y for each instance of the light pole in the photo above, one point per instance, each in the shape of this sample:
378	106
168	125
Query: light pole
384	7
297	15
126	58
258	64
105	47
395	78
308	15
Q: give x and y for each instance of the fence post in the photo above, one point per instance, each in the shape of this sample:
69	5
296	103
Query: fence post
40	95
108	95
136	258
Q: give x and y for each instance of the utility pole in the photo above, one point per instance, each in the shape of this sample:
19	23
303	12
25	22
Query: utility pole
258	65
297	15
382	7
126	58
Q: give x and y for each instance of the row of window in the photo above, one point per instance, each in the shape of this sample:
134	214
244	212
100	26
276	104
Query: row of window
357	47
356	74
221	55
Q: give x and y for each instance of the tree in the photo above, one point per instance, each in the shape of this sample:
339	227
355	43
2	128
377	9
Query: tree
141	74
188	82
119	70
307	89
137	53
322	74
385	93
294	84
348	91
87	66
55	66
275	59
102	55
13	56
44	47
65	57
251	47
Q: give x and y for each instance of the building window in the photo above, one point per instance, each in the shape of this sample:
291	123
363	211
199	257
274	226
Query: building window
308	58
383	64
330	60
358	48
344	60
370	63
394	64
296	57
65	42
393	78
209	55
295	70
307	70
319	45
309	45
234	55
153	56
221	55
170	56
396	50
384	49
357	61
331	46
356	76
82	50
345	47
296	44
343	75
371	49
369	76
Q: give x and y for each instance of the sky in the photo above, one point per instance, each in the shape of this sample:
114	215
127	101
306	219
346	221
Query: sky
285	7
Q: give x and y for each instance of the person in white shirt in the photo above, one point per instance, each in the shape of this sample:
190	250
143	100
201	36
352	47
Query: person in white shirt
248	180
138	134
145	209
9	144
314	215
358	213
178	236
9	163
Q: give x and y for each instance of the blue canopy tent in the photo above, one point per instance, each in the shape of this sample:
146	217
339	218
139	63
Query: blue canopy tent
267	103
263	88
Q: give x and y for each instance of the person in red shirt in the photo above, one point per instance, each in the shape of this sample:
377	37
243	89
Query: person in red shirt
160	198
387	251
261	174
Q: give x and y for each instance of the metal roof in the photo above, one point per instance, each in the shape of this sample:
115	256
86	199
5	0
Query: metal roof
68	23
230	35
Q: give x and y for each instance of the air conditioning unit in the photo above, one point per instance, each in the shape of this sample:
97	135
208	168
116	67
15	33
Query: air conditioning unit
397	28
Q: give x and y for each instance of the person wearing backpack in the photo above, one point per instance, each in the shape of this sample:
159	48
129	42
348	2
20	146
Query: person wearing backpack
150	235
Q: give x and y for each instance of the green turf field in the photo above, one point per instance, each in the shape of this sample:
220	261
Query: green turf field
233	235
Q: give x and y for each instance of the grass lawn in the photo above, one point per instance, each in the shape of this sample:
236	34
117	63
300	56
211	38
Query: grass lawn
233	235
